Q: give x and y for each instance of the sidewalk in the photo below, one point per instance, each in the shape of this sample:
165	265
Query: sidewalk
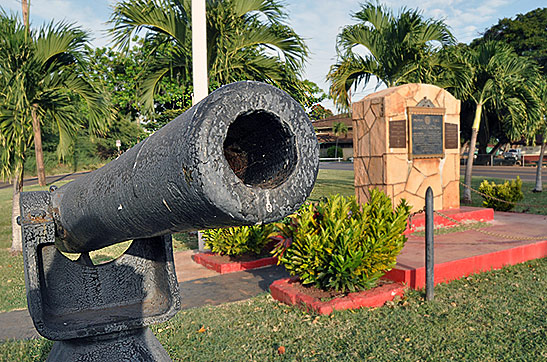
199	286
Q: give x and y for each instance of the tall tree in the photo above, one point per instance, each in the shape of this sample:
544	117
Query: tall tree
503	82
542	133
42	82
525	34
398	46
247	40
46	68
339	128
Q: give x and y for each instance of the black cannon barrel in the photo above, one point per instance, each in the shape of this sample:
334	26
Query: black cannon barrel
246	154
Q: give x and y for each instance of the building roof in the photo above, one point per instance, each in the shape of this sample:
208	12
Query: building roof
324	133
329	121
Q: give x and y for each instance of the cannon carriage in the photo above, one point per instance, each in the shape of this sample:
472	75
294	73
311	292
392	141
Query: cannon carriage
246	154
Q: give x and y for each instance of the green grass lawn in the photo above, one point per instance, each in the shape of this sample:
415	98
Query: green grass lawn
331	182
494	316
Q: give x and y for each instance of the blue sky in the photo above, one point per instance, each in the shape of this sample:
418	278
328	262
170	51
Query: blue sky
318	21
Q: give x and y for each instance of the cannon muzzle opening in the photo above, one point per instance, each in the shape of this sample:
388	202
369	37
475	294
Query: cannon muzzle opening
244	155
261	156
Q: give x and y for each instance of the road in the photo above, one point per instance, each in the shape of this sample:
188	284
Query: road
49	179
507	172
501	172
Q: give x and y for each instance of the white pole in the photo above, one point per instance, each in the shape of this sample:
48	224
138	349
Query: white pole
199	64
199	50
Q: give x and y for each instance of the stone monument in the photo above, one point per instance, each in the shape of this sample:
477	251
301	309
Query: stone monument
406	139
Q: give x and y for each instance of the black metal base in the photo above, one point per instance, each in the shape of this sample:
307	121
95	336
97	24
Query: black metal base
135	346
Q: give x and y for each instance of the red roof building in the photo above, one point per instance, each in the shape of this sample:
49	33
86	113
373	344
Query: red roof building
326	138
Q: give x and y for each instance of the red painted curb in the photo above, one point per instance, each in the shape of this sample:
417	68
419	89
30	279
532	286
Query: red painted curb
415	278
465	213
283	291
207	260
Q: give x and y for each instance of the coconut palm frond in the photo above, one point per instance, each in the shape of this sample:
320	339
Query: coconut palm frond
157	16
400	49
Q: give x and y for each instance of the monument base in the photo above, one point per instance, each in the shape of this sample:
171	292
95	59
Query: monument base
137	346
465	214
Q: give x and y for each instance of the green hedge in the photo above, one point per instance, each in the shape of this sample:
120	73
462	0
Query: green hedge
239	240
510	191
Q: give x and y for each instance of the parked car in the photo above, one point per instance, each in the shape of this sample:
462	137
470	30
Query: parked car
463	158
513	155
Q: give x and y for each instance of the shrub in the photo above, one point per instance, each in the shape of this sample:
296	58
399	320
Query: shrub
239	240
331	152
510	191
338	244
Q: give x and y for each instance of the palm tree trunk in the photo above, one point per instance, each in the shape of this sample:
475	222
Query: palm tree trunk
16	243
25	5
469	168
539	185
336	149
40	170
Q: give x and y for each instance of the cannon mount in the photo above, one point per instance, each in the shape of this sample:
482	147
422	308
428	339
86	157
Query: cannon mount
96	312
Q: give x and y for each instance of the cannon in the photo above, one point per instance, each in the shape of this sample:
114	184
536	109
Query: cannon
247	154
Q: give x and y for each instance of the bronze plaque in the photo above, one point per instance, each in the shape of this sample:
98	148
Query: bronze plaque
397	134
426	132
451	136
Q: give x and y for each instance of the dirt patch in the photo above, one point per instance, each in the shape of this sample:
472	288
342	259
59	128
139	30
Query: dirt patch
221	259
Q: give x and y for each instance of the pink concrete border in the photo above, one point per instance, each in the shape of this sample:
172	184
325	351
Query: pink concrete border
283	291
207	260
465	213
444	272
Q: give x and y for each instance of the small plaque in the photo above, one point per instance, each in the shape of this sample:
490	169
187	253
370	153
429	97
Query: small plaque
451	136
397	134
426	132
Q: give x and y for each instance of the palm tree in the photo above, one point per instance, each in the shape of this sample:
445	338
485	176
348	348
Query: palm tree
504	82
41	82
399	47
247	40
44	79
339	128
542	131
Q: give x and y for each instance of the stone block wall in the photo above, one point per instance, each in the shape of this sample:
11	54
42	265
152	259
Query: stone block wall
391	169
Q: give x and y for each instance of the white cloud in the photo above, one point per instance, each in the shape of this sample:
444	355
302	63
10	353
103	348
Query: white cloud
319	21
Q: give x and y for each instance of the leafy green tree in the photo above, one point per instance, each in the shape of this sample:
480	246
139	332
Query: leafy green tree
400	48
42	81
117	73
525	33
339	128
317	112
247	40
504	83
311	102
